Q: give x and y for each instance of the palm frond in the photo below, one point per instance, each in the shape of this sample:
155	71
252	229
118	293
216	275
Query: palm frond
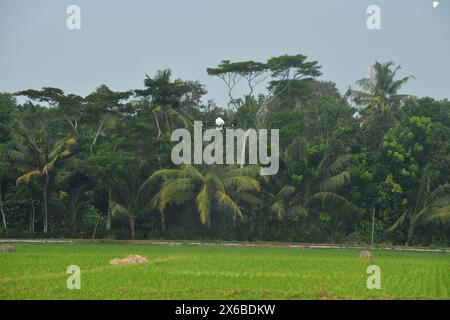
442	214
228	202
340	163
25	178
329	197
176	191
180	117
164	174
399	222
285	192
335	183
398	84
118	209
242	183
299	210
190	171
16	155
247	198
248	171
47	168
279	209
203	204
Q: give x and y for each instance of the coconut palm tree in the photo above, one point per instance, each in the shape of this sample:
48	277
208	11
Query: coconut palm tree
282	203
429	206
37	157
226	187
73	207
317	180
131	200
380	91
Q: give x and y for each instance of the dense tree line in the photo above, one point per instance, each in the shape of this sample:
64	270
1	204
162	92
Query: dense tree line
368	162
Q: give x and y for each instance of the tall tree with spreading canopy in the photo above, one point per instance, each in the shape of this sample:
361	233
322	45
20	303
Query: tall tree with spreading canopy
167	98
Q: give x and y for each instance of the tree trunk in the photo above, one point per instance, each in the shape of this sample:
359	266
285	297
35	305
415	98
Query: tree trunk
159	161
109	217
208	221
32	216
97	134
163	221
409	236
373	225
132	227
45	209
95	228
410	231
157	124
3	216
1	203
167	122
244	145
260	229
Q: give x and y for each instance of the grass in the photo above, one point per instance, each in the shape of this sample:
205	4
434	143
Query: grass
38	271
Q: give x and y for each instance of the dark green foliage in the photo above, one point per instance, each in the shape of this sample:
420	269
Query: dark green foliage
99	166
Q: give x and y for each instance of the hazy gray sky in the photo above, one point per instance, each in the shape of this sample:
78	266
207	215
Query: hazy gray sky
120	41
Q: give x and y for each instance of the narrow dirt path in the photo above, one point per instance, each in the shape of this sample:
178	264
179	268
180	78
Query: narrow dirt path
229	244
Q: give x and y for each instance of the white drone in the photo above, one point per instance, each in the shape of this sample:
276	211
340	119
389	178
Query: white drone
219	123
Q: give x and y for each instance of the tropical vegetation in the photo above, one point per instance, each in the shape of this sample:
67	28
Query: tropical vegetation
369	163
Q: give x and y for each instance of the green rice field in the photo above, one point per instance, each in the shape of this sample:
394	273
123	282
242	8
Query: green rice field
39	271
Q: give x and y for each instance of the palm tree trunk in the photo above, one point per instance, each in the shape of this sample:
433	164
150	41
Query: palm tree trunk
45	203
163	221
1	203
3	216
261	226
32	216
109	217
132	227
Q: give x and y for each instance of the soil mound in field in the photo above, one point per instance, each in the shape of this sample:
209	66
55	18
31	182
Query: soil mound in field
366	254
7	248
131	259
